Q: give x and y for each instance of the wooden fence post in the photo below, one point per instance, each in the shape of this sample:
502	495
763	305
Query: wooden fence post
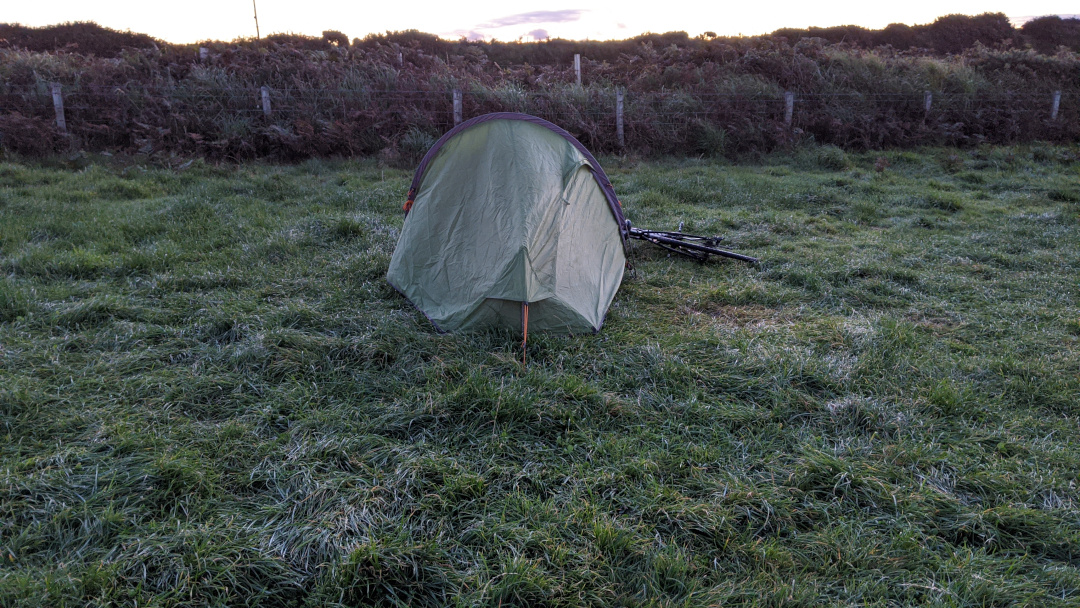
266	101
58	106
619	118
457	107
789	108
928	98
577	68
1055	105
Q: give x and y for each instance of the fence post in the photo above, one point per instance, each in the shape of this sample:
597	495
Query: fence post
204	54
928	98
1055	105
619	118
789	107
58	106
266	101
457	107
577	68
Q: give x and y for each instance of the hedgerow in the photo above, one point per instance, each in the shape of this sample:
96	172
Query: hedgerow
382	94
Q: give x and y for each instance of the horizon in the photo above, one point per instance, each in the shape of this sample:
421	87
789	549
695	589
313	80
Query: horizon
595	20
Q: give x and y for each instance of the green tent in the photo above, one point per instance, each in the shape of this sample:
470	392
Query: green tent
510	223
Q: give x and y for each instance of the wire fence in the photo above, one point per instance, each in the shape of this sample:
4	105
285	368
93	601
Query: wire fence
250	119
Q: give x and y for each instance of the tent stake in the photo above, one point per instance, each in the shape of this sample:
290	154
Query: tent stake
524	329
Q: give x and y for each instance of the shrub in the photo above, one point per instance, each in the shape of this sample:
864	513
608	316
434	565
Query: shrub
708	139
832	158
335	38
955	33
87	38
414	145
1048	33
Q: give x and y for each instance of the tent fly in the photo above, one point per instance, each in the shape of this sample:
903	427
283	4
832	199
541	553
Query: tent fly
511	222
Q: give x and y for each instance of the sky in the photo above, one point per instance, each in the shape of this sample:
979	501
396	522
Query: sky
195	20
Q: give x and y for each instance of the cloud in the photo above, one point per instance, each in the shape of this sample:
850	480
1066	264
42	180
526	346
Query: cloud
1020	21
471	35
483	31
563	16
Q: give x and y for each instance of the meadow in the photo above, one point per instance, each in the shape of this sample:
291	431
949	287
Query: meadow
210	396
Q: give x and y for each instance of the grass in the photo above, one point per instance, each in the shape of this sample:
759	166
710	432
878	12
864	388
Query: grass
210	396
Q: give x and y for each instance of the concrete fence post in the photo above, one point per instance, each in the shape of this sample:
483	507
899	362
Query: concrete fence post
928	99
619	132
266	101
577	68
58	106
1054	105
457	107
789	108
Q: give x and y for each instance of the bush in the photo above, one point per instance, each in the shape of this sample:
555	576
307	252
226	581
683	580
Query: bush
708	139
335	38
832	158
1046	34
414	145
955	33
87	38
28	135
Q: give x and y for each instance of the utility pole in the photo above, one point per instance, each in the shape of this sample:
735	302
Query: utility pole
256	9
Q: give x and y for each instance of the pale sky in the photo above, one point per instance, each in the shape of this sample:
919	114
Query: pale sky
194	20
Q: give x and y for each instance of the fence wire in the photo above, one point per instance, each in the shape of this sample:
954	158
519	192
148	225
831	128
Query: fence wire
103	112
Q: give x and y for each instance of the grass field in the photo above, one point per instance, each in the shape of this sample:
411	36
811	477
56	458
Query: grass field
210	396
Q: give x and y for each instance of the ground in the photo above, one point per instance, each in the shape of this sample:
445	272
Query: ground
209	395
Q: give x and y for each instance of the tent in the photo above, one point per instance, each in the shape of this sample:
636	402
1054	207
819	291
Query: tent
511	223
